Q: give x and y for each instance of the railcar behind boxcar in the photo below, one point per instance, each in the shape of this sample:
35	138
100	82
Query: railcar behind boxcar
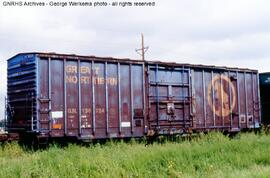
265	97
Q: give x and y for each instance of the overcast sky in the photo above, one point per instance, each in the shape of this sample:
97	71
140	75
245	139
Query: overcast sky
233	33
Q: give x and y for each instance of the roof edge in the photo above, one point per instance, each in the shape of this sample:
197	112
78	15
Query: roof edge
53	54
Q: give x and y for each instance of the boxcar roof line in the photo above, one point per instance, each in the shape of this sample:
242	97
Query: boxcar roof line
112	59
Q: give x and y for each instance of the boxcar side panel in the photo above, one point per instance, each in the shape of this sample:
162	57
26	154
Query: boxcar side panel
137	110
225	100
72	99
199	99
43	98
257	100
57	97
233	92
208	93
90	98
242	106
113	105
125	100
86	99
100	108
250	100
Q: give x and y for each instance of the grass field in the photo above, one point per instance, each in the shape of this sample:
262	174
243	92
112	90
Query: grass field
213	155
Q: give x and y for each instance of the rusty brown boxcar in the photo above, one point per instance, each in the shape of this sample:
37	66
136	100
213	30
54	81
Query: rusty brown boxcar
87	97
184	97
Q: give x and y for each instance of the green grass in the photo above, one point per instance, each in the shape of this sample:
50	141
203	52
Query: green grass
212	155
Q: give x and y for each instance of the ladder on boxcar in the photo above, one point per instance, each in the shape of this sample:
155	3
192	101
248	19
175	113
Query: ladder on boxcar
44	114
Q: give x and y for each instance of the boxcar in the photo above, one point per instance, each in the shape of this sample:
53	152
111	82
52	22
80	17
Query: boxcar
86	97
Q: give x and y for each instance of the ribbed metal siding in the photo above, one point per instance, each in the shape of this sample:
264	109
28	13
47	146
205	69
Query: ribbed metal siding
21	91
90	98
